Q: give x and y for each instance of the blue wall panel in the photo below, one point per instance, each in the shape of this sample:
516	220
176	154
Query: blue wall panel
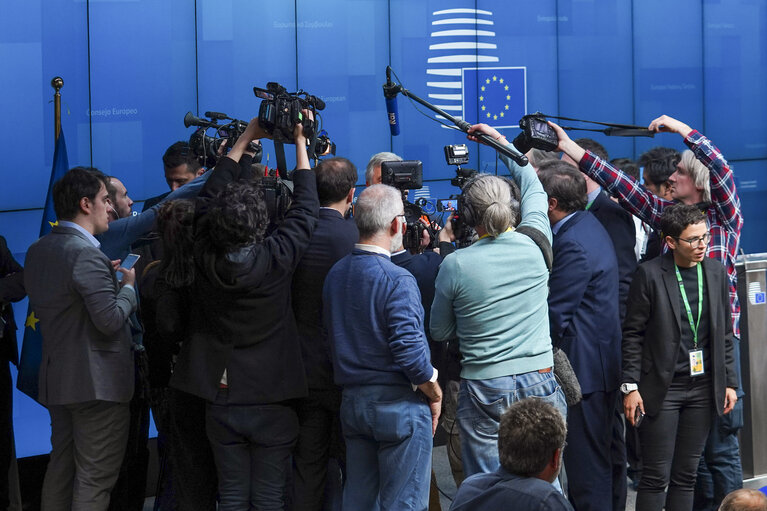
137	107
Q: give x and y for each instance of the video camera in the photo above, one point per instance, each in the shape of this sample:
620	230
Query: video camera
459	155
281	110
205	147
408	175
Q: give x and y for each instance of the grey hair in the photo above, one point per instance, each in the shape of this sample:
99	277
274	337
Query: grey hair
376	161
531	430
491	199
698	172
375	209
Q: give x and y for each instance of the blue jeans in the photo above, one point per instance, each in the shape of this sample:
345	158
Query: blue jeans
387	430
481	404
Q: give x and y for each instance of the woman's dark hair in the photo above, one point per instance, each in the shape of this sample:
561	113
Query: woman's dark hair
174	223
659	163
237	217
677	217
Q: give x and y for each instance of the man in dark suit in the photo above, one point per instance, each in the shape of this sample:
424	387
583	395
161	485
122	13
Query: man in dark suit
334	237
180	166
11	290
86	370
583	316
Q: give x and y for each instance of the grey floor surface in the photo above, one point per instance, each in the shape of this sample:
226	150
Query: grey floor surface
445	483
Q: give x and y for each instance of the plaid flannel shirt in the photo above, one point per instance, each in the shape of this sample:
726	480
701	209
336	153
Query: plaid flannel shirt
724	215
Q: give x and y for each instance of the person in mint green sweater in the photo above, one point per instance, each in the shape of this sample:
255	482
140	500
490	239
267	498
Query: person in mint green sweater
491	296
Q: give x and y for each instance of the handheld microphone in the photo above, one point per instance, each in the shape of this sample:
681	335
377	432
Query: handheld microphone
390	94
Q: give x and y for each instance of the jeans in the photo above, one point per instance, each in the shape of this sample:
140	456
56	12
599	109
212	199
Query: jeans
672	443
388	437
481	404
252	445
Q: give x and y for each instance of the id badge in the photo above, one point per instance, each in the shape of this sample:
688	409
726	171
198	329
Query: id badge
696	363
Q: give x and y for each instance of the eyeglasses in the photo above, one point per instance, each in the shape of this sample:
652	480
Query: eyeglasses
696	242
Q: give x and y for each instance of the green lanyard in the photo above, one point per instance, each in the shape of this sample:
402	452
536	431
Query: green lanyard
693	327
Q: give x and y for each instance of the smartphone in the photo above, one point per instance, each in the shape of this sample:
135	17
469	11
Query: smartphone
638	417
127	263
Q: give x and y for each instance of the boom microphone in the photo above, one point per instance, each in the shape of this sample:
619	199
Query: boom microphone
390	94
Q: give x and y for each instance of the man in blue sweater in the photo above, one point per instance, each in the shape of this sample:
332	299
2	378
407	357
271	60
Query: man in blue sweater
375	323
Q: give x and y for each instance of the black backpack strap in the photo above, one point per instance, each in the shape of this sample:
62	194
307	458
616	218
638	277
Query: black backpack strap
539	239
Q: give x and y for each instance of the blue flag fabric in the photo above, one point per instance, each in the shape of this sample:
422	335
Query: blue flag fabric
31	349
494	95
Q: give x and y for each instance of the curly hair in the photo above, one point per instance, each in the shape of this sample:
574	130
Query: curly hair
175	224
237	217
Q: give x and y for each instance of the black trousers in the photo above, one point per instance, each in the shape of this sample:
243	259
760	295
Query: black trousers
319	438
672	443
252	445
6	431
595	452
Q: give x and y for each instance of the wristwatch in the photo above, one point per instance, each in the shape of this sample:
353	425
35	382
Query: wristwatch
628	388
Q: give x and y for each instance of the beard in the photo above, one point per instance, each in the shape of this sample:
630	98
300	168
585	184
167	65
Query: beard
396	242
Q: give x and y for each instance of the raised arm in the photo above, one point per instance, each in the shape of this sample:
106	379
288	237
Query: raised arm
633	197
723	193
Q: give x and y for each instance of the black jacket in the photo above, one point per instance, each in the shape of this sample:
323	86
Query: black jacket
242	319
620	227
333	238
11	290
652	330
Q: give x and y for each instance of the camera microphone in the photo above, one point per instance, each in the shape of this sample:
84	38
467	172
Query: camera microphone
390	94
217	116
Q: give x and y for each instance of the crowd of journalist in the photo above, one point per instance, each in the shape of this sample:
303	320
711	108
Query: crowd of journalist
585	341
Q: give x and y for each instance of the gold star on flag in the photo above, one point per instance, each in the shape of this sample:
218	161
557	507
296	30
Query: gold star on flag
487	80
495	117
501	114
482	98
54	224
488	114
483	108
482	88
32	321
501	80
508	98
506	107
495	78
505	87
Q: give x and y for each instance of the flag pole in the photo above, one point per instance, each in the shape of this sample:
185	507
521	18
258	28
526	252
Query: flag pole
57	83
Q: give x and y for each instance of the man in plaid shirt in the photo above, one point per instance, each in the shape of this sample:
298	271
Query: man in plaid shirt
725	222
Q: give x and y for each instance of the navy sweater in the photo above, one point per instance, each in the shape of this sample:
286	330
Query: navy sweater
374	318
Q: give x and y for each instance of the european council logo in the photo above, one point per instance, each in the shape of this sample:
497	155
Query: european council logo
494	95
461	42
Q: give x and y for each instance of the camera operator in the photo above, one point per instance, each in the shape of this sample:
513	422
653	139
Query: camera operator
243	355
180	166
492	297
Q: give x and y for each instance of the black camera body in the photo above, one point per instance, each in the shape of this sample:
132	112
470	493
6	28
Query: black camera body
408	175
281	110
536	133
205	147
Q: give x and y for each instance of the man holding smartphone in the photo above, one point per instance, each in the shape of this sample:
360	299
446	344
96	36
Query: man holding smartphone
86	370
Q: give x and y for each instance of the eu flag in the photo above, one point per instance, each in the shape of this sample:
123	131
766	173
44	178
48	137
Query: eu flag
496	96
31	349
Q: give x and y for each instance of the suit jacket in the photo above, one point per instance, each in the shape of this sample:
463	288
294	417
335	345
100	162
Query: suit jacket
620	227
333	238
83	313
653	328
11	290
241	318
583	302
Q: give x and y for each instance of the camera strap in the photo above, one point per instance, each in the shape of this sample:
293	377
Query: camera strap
612	130
279	152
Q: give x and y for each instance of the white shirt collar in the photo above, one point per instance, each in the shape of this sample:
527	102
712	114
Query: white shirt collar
372	248
78	227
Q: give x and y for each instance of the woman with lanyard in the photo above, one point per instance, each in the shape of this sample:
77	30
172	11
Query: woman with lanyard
678	362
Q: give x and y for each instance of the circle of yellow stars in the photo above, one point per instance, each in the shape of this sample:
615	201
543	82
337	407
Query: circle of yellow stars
487	87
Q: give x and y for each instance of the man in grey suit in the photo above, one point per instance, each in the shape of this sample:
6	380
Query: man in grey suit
86	370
